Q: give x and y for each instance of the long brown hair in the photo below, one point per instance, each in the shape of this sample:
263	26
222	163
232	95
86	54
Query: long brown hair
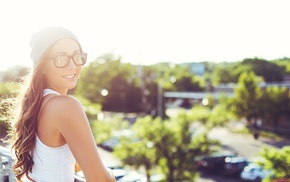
24	128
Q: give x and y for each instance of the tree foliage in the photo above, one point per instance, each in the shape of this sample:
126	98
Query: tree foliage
285	63
247	96
188	83
277	160
169	146
271	72
219	116
118	79
223	73
275	102
133	88
92	109
104	126
8	91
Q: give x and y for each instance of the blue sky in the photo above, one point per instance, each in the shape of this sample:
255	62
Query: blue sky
150	31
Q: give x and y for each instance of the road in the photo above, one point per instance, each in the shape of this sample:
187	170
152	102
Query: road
243	145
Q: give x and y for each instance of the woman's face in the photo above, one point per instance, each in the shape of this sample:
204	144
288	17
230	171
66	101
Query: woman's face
64	78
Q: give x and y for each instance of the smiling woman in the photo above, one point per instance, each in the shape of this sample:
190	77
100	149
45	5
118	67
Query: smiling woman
51	132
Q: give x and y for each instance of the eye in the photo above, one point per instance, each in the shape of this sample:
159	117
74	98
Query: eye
60	60
80	58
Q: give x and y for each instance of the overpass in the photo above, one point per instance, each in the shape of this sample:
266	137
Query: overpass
197	95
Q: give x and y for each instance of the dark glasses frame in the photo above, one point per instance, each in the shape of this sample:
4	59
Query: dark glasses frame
69	57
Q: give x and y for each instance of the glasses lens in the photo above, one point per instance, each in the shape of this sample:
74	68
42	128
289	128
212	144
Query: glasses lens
61	60
80	58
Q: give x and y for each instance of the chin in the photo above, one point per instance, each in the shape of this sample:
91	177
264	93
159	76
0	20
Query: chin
71	86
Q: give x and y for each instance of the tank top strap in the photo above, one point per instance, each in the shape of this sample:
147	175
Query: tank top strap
49	91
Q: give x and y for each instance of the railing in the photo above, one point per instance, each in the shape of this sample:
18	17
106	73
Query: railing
6	162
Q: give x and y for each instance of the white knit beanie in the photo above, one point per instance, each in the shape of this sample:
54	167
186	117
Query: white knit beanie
43	39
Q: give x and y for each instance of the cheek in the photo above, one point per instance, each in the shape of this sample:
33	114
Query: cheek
79	69
51	73
48	68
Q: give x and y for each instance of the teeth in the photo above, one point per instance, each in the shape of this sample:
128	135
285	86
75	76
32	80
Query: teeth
70	76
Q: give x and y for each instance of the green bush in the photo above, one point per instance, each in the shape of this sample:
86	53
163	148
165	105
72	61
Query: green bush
8	91
277	160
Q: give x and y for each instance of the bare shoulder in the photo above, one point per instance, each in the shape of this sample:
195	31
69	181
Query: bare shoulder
64	100
63	106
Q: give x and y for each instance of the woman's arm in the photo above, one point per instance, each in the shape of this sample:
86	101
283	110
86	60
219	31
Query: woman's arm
74	127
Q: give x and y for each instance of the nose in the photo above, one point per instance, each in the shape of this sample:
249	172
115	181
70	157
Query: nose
71	64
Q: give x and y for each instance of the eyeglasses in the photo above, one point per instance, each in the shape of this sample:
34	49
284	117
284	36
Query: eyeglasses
62	60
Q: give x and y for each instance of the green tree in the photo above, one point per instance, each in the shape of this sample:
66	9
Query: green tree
167	145
8	91
123	96
92	109
283	62
141	152
274	102
200	114
223	74
247	95
149	87
277	160
270	71
96	77
177	77
188	83
103	128
117	79
219	116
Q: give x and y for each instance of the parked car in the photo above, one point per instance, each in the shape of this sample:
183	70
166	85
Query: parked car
131	176
215	162
253	172
234	165
157	177
112	142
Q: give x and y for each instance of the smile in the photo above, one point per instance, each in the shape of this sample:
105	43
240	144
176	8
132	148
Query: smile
70	76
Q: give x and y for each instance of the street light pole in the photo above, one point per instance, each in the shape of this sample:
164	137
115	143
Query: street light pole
159	101
160	106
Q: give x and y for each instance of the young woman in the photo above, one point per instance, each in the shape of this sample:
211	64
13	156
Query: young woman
51	131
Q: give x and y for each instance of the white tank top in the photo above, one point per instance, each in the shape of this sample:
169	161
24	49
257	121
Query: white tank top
52	164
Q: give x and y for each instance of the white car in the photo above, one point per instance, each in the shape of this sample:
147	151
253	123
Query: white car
253	172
